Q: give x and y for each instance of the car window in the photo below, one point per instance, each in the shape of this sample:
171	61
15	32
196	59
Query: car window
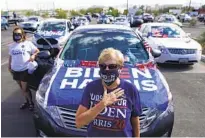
33	19
166	31
145	30
53	26
80	45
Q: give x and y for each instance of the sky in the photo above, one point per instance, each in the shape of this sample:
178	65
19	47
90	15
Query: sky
73	4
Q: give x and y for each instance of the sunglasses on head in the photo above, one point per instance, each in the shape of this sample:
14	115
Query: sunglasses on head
110	66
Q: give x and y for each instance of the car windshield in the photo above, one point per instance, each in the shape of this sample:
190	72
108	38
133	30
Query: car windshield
167	31
81	44
82	19
33	19
120	20
53	26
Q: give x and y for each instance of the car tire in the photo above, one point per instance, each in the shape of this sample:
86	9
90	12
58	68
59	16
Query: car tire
170	132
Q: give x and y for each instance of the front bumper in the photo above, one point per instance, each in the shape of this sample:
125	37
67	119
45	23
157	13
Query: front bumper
175	58
44	124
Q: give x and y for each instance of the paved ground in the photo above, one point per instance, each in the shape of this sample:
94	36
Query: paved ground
187	85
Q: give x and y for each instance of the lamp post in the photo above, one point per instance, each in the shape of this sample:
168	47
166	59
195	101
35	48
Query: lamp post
127	7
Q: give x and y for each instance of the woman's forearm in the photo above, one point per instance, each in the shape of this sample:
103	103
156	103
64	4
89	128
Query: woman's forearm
86	117
9	64
136	126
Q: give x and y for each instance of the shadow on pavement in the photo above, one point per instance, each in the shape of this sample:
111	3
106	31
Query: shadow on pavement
174	67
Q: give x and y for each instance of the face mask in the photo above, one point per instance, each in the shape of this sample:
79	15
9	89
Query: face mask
109	76
17	37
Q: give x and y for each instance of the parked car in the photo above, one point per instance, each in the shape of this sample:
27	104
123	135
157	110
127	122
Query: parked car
4	23
83	21
147	17
95	15
137	21
111	18
103	20
19	19
176	45
55	31
121	21
201	17
32	23
167	18
185	17
60	91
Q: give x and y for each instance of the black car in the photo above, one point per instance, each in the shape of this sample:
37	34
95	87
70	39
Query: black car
60	91
201	17
137	21
147	18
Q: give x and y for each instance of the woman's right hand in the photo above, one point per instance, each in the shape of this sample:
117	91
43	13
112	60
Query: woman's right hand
112	97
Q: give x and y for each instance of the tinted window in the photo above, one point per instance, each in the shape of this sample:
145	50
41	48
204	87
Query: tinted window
53	26
33	19
120	19
88	45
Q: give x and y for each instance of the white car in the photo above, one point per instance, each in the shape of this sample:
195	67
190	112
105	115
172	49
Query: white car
185	17
32	23
121	21
167	18
56	31
82	21
175	45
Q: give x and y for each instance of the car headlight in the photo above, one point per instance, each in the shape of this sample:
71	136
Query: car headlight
148	116
163	49
40	99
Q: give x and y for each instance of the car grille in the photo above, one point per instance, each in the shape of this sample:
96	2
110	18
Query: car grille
43	42
68	118
182	51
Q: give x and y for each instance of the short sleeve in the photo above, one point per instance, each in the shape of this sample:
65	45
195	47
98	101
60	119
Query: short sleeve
33	47
85	101
137	109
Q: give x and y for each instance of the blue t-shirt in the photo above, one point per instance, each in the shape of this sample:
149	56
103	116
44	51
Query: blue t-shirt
114	120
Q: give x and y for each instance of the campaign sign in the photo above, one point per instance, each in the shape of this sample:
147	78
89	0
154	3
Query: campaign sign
68	85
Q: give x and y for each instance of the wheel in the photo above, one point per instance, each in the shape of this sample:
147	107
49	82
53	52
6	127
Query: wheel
170	132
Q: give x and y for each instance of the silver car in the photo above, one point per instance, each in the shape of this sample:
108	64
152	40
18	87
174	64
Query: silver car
32	23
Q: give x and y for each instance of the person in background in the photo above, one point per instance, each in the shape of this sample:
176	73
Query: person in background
110	106
21	52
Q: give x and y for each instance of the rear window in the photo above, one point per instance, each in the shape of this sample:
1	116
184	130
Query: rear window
88	45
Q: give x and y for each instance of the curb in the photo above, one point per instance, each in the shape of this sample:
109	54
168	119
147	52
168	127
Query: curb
203	58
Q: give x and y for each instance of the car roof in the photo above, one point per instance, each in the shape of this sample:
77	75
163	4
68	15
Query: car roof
103	26
160	24
55	20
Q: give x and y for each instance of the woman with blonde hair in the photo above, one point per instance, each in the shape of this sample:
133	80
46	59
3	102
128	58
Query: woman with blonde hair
21	53
110	106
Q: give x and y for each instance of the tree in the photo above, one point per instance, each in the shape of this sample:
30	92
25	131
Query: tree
139	12
125	12
156	12
45	15
29	13
83	11
61	14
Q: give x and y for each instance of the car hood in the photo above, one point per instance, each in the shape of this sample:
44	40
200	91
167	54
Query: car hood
30	22
52	34
176	42
67	84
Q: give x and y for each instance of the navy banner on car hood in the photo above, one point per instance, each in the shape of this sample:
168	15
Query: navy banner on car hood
67	87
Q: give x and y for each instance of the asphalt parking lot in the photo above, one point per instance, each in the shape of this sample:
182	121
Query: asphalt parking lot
187	84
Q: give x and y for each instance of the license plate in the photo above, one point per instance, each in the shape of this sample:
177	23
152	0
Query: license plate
183	60
46	47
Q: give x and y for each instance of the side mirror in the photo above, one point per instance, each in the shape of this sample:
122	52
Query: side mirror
45	54
155	53
71	28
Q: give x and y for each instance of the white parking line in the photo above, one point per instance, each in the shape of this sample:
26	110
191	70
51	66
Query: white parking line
4	63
